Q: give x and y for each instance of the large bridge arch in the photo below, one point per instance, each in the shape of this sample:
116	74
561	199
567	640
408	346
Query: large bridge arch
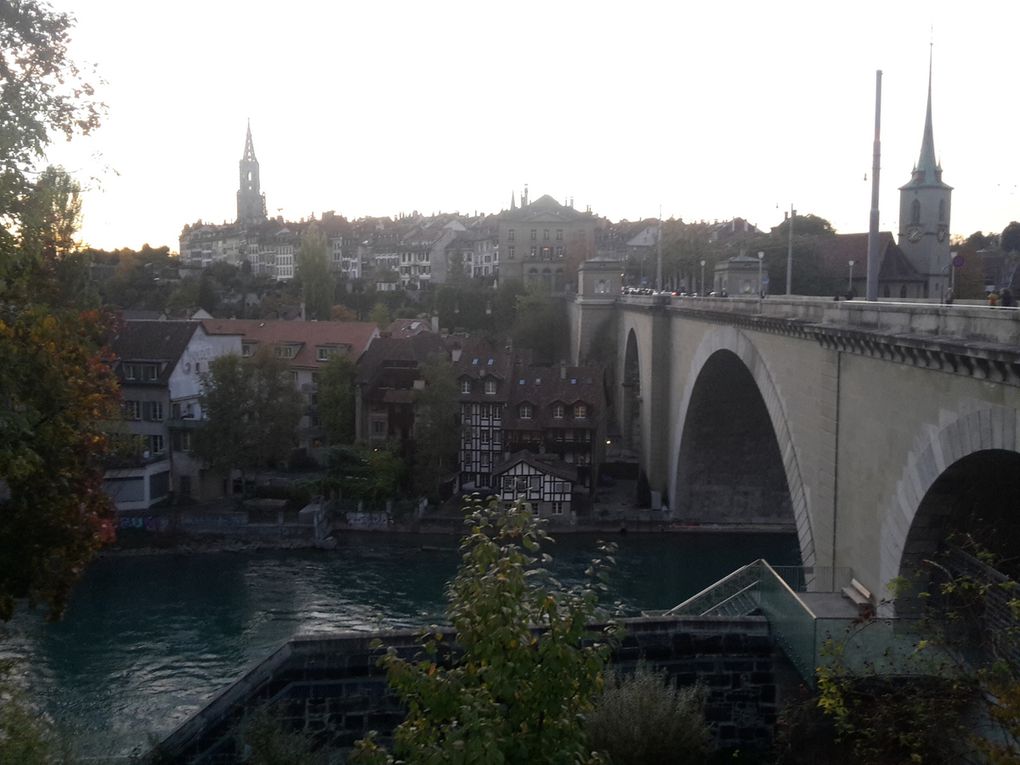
726	353
968	449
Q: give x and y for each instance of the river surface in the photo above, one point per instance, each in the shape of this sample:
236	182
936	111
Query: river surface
148	640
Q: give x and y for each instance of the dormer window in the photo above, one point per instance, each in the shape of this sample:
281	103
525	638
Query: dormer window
247	349
524	411
465	386
286	351
325	352
490	387
580	411
557	411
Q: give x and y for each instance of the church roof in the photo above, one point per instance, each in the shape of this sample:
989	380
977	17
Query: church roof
543	209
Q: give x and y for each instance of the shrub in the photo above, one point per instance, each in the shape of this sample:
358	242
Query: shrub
641	718
264	740
528	667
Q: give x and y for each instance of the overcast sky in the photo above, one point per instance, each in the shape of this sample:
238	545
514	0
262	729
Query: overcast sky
708	109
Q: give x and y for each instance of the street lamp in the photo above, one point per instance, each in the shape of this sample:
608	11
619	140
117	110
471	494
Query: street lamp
761	259
850	282
702	292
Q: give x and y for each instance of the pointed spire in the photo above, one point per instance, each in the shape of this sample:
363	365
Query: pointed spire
513	201
928	170
249	147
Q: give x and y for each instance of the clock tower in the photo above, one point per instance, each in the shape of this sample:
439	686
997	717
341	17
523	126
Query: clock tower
924	215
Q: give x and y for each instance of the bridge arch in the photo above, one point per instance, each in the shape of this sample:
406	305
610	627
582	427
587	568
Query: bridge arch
974	458
726	358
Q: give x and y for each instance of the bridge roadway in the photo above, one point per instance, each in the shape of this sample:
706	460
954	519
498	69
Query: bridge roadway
867	424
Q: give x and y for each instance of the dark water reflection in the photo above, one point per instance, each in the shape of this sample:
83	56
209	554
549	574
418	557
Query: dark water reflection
147	641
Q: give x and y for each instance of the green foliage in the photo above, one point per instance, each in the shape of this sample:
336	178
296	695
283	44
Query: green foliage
359	472
381	315
1010	238
640	718
265	740
541	326
55	383
336	395
26	737
436	435
44	93
313	271
527	667
252	412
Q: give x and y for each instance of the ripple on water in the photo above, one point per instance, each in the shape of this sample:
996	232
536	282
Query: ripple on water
146	642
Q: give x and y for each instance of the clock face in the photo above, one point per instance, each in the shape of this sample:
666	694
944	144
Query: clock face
914	233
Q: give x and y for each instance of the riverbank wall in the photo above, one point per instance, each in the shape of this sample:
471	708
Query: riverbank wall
334	689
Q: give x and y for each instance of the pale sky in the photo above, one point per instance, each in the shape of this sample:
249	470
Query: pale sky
706	109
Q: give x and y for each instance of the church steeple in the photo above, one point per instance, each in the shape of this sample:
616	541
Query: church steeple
927	172
251	202
924	213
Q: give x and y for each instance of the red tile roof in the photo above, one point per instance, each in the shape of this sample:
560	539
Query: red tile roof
309	335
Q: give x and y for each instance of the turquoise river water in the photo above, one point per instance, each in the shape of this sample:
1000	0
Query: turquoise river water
148	640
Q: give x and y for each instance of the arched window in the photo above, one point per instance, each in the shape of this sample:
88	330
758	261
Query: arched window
915	211
903	290
942	211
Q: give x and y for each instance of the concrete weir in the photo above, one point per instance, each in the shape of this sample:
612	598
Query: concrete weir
334	688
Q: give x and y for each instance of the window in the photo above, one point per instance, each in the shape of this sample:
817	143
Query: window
198	367
558	411
556	508
510	252
545	235
285	351
508	483
559	251
534	250
247	349
942	211
149	372
580	411
485	436
915	212
132	410
156	411
465	386
490	387
534	234
511	235
524	411
559	235
325	353
130	372
378	428
156	445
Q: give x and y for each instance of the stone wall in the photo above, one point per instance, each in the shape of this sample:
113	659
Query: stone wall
334	689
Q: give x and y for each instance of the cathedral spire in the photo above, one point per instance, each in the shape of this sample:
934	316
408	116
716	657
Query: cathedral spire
513	201
249	147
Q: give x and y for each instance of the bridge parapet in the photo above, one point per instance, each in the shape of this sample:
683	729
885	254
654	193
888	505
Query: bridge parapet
975	341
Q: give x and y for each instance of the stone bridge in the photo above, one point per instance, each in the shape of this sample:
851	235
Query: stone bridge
874	427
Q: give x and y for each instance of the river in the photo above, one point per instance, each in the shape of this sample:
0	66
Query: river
148	640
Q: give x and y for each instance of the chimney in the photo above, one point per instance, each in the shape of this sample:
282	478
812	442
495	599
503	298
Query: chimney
563	370
435	323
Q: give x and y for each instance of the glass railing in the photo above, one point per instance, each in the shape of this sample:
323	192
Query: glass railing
791	621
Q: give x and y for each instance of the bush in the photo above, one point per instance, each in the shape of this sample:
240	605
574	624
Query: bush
641	718
264	740
528	668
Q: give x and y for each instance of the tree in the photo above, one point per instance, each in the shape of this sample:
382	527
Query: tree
313	270
541	326
52	215
43	92
380	315
436	437
1010	239
528	668
336	399
56	385
251	413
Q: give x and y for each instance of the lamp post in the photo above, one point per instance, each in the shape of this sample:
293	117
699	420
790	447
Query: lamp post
702	291
789	254
850	281
761	287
